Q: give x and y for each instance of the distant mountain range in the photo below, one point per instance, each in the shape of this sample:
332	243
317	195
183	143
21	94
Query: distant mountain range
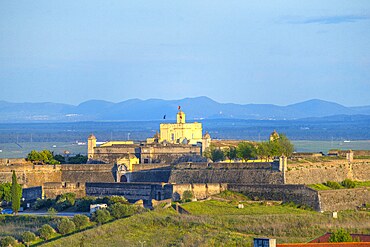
156	109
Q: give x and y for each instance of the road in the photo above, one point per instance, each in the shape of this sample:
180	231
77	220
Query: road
45	213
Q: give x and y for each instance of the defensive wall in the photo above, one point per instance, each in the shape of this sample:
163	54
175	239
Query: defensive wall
32	193
298	194
53	189
321	172
253	173
153	191
88	173
328	200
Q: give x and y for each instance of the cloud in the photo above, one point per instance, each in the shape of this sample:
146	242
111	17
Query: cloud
325	19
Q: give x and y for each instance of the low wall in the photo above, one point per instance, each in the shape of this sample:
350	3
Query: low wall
32	193
150	176
321	172
200	191
30	175
242	176
53	189
298	194
343	199
88	173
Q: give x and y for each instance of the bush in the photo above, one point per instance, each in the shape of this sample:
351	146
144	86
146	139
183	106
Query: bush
28	237
80	220
66	226
52	211
348	183
119	210
187	196
83	204
7	241
101	216
43	203
333	185
340	235
46	231
117	199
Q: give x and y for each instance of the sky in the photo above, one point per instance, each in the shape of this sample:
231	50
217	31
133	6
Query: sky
263	52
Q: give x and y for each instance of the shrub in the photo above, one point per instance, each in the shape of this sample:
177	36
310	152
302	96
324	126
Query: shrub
333	185
28	237
348	183
7	241
43	203
80	220
83	204
117	199
101	216
46	231
119	210
52	211
340	235
66	226
187	196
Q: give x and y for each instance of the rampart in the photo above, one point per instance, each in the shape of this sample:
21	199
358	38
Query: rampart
53	189
320	172
32	193
298	194
343	199
88	173
245	173
28	174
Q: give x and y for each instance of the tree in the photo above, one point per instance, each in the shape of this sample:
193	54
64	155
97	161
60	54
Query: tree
6	192
7	241
28	237
16	194
187	196
340	235
66	226
230	153
285	146
119	210
101	216
44	156
246	151
264	150
215	154
80	220
46	231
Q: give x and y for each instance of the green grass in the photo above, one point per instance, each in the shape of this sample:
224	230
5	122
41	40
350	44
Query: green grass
215	223
324	187
213	207
15	225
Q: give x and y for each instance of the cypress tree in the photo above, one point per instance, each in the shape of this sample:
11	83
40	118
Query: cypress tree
16	194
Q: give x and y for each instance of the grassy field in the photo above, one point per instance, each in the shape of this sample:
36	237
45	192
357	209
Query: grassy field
324	187
16	225
216	223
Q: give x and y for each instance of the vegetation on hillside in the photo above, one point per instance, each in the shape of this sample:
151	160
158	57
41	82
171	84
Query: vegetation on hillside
345	184
216	223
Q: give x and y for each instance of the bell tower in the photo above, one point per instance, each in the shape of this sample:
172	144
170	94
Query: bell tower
180	116
91	144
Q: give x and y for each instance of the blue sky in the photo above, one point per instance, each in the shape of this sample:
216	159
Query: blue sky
278	52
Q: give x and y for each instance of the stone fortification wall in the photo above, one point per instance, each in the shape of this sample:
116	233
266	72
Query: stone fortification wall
28	174
320	172
110	154
13	161
131	191
298	194
32	193
53	189
144	167
335	200
200	191
152	176
88	173
251	173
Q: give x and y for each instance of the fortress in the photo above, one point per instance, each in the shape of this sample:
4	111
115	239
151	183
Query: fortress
170	163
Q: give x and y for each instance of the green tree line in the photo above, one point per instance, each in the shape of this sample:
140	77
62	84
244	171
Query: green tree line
247	150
